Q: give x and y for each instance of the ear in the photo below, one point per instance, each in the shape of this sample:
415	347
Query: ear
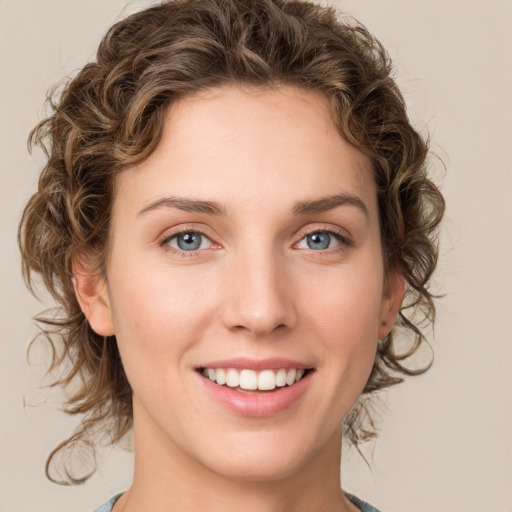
92	295
392	296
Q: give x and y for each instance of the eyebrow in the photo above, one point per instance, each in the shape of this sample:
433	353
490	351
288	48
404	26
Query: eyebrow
187	205
323	204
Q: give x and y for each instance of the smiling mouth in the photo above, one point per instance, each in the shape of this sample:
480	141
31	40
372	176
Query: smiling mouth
250	381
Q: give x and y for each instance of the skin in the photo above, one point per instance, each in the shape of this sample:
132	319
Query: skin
253	289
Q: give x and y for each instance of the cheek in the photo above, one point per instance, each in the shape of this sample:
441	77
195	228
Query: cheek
349	302
346	316
158	315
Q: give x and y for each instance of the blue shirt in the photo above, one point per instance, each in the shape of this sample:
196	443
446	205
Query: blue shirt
363	506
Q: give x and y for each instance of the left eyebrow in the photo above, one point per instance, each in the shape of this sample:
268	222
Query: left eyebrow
323	204
186	204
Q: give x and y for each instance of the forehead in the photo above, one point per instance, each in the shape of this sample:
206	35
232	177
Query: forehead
243	145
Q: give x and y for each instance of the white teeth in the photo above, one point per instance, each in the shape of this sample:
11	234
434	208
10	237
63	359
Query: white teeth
290	376
220	376
266	380
281	378
232	378
248	379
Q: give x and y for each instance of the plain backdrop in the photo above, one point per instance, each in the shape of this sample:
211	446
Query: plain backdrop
445	442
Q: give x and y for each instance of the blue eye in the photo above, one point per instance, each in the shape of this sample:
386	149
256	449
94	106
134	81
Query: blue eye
189	241
319	241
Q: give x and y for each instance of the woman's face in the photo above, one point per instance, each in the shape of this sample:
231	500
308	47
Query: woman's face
246	248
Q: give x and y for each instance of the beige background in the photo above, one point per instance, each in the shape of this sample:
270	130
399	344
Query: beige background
446	442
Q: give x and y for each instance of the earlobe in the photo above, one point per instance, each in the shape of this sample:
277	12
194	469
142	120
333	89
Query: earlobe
391	303
92	295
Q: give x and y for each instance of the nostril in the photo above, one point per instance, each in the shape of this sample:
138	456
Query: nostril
257	306
258	329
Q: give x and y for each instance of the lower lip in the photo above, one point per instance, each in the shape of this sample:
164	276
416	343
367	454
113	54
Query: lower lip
257	405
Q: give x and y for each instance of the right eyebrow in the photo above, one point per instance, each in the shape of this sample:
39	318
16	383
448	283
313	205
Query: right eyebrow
186	204
323	204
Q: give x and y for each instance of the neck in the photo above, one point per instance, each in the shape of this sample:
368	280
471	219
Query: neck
167	479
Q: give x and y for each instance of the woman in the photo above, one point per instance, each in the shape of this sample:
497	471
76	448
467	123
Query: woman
233	209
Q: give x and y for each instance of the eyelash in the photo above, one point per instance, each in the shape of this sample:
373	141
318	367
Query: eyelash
164	243
340	236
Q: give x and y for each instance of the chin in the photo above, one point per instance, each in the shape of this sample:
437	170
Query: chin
266	457
257	470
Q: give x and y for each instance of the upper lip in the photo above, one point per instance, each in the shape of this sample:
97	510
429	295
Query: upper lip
255	364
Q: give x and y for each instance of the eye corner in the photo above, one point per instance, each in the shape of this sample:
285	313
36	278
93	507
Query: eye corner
326	239
193	242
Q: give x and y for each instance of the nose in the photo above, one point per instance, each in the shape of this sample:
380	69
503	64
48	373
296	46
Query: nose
260	298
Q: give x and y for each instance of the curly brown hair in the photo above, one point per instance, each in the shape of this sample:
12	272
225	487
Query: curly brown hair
111	115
